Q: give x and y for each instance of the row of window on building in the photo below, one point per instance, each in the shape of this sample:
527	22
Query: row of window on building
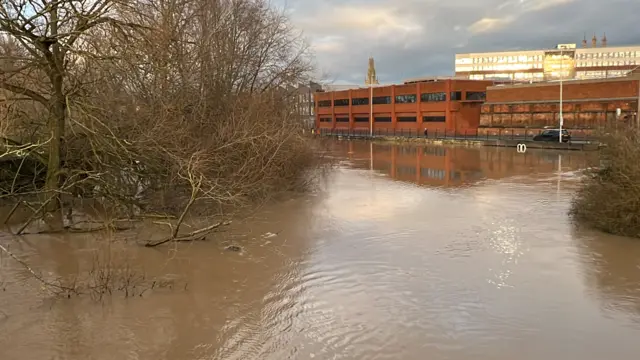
520	59
505	67
513	59
383	119
407	99
600	74
607	63
516	67
512	76
610	54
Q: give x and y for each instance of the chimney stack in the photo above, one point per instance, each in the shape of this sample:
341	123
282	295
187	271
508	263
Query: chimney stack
604	40
594	41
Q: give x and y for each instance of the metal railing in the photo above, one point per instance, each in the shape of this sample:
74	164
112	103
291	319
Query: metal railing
470	135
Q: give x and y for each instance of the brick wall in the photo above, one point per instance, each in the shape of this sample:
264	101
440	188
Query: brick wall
571	91
502	112
461	116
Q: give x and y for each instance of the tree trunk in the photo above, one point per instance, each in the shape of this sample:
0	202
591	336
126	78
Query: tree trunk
56	124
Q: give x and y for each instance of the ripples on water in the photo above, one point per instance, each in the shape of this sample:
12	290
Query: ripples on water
409	252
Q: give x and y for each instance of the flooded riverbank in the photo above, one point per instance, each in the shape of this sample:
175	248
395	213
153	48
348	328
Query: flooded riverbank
406	252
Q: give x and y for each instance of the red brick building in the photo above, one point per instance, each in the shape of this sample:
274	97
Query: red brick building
443	105
587	104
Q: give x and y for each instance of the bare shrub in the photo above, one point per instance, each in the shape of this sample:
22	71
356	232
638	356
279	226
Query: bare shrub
109	269
609	198
153	105
112	271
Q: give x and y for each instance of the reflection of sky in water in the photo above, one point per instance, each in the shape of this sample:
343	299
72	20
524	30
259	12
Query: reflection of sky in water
371	201
491	264
505	241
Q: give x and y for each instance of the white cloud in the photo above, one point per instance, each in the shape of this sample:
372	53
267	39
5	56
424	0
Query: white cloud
329	44
538	5
360	20
411	38
489	24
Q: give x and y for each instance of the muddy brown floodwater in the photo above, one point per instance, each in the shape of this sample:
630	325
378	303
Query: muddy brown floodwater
408	252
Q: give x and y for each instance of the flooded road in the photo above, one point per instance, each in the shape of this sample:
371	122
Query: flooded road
407	252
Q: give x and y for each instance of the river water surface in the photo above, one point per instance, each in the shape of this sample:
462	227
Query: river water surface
407	252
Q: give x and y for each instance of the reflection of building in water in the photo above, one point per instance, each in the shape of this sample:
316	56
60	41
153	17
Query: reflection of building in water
454	166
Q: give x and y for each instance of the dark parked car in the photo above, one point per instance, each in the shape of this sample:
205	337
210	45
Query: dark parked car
553	135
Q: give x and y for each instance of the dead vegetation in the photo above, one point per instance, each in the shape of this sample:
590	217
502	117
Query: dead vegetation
106	270
170	107
149	105
609	198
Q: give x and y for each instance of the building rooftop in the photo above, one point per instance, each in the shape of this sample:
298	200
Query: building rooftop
633	76
557	47
340	87
433	79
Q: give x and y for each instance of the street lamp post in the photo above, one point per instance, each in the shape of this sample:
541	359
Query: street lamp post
371	110
561	89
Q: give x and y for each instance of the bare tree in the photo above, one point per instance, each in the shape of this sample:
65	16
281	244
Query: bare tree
160	104
48	34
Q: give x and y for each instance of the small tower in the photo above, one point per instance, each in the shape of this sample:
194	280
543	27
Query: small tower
584	41
604	40
371	78
594	41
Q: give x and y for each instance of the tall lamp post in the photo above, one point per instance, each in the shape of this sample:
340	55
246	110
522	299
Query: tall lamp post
561	89
371	110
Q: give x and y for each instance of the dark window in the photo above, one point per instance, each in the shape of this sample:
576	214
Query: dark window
342	119
454	175
324	103
476	95
360	101
341	102
382	100
361	119
382	119
406	119
405	99
434	119
431	97
325	119
456	95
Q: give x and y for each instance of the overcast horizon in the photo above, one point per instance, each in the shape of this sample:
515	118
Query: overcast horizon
412	38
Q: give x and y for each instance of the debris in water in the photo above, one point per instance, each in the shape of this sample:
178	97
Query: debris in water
269	235
234	248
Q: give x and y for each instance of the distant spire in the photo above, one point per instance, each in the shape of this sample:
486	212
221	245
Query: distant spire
584	40
604	40
594	41
371	78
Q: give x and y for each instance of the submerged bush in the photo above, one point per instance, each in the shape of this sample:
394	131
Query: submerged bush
609	198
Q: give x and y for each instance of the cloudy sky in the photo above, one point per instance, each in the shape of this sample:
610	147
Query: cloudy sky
410	38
